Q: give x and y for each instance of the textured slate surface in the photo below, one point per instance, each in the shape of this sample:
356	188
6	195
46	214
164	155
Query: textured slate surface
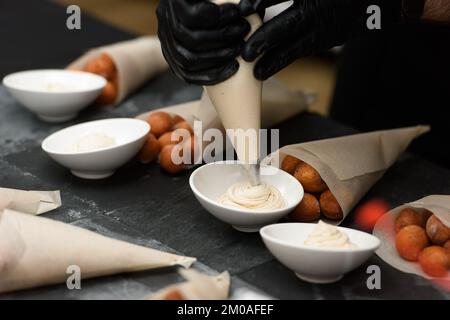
142	204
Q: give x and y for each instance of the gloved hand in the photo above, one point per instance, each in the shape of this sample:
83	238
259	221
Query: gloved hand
308	27
201	40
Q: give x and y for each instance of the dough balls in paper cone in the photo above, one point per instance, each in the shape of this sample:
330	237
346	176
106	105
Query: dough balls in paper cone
136	61
36	251
350	165
278	104
197	287
385	230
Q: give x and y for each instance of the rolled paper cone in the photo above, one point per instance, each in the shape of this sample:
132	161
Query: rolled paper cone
279	103
385	231
32	202
351	165
197	287
136	60
238	100
48	248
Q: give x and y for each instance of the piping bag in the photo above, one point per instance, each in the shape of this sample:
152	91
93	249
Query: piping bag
238	103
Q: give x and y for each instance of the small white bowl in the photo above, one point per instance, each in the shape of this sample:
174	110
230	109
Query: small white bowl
54	95
212	180
316	264
129	135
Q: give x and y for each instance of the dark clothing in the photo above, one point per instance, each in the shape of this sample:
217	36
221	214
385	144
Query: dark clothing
395	78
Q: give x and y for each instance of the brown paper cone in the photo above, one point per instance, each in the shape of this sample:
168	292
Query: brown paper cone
385	231
32	202
351	165
36	251
198	287
136	61
278	104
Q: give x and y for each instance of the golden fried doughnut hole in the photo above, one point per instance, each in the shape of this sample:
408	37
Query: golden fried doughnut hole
435	261
160	122
166	139
150	150
410	241
289	164
408	217
108	95
329	206
165	160
438	232
307	210
309	178
184	125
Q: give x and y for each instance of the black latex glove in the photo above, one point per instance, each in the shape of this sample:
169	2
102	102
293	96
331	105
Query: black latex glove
308	27
201	40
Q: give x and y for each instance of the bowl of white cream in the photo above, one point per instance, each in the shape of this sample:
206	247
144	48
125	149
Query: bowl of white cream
319	253
54	95
96	149
224	190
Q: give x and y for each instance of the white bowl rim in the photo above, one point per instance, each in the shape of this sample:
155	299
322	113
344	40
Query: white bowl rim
102	81
264	234
268	212
45	142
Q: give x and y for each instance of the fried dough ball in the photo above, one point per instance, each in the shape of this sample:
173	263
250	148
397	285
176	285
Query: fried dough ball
174	295
410	241
408	217
150	150
329	206
177	119
435	261
289	164
184	125
103	66
447	245
426	214
108	95
160	122
165	160
166	139
438	232
309	178
308	209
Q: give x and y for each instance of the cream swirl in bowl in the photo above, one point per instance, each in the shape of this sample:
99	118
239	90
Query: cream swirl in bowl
329	236
245	196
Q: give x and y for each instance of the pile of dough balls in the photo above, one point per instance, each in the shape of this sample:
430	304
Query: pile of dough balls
160	141
318	199
422	237
104	66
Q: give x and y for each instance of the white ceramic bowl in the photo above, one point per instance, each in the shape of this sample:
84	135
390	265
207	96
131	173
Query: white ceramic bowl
211	181
313	264
54	95
129	135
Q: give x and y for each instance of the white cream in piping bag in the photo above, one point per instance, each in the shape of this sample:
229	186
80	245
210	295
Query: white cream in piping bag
328	236
245	196
238	99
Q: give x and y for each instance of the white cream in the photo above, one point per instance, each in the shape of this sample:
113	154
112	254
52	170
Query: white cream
93	141
54	86
245	196
329	236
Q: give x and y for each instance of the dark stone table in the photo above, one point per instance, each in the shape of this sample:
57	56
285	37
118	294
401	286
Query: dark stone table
143	205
